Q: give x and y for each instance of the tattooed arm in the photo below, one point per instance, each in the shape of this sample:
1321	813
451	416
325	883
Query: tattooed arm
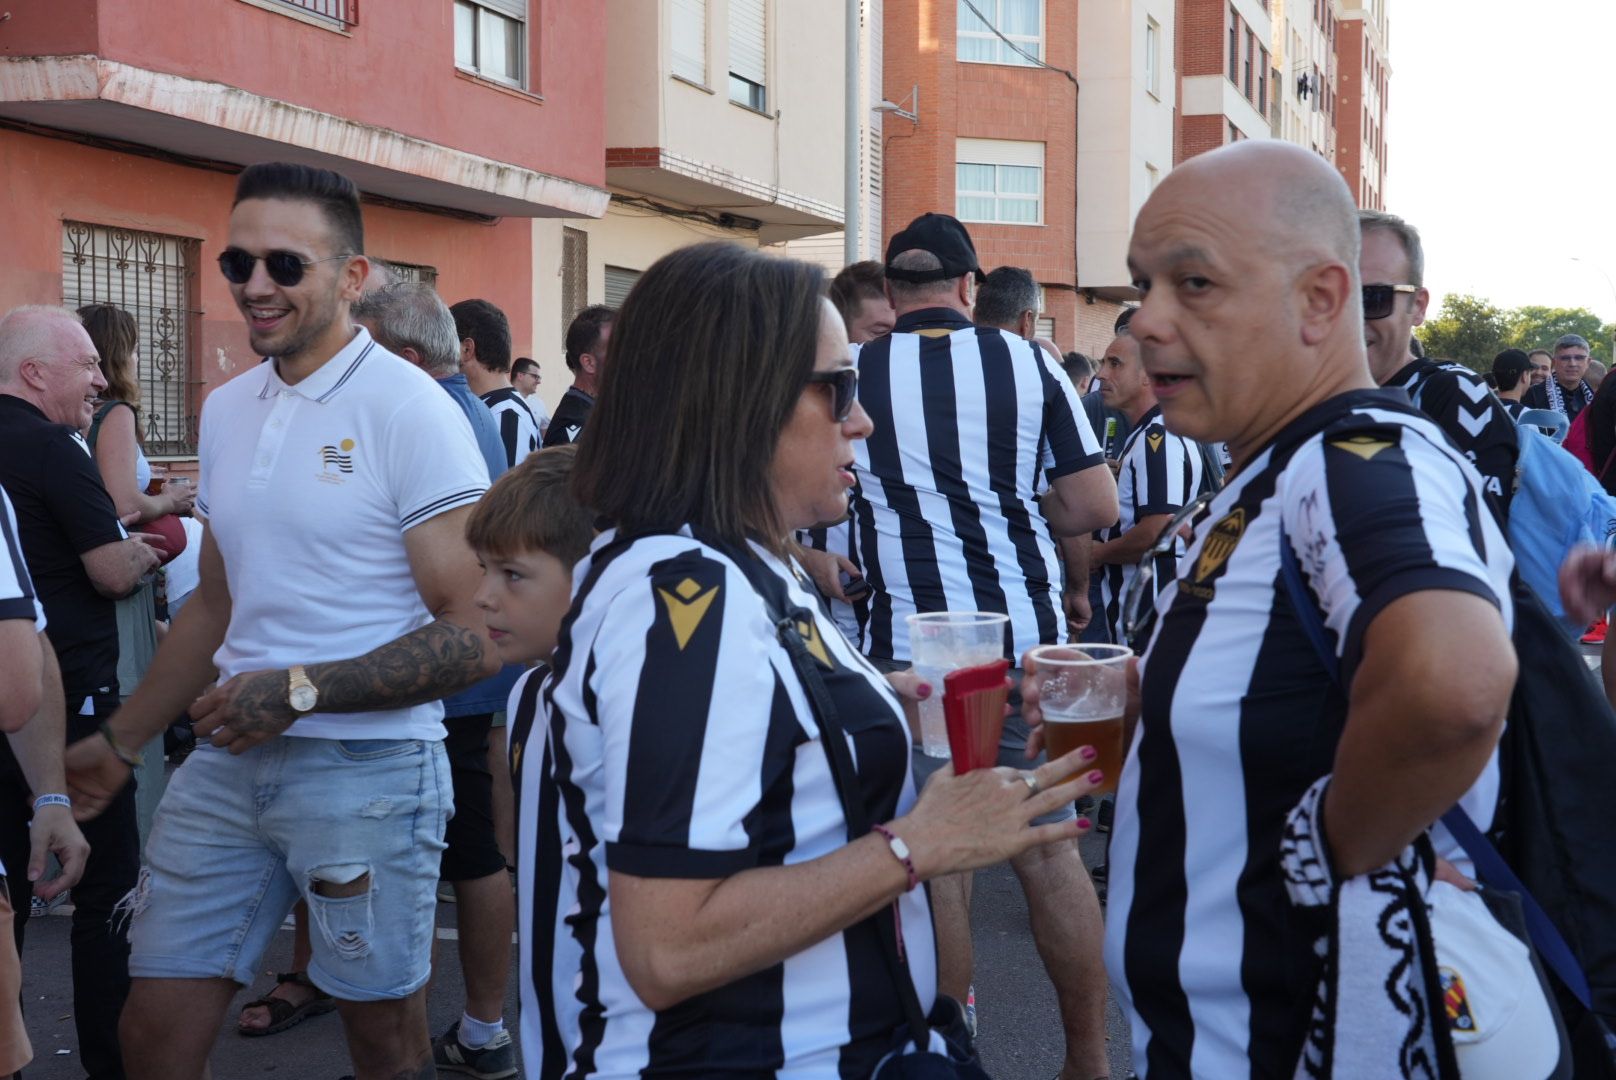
439	659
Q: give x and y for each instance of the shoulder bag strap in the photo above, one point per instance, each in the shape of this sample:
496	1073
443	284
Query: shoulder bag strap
843	773
1490	865
100	415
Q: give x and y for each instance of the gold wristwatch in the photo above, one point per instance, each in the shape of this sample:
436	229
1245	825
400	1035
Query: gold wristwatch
301	693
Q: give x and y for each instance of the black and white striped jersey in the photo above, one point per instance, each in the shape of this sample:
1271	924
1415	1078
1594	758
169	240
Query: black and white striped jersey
518	431
970	423
1160	472
841	539
1471	415
1239	717
17	597
679	743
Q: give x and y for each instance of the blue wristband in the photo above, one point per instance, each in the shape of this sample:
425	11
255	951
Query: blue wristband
53	800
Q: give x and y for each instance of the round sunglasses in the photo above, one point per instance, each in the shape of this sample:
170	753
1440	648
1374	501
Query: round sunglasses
285	268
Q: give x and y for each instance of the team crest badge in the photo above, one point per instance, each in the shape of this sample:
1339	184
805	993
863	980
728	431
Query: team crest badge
687	606
1457	1002
816	645
1220	544
336	462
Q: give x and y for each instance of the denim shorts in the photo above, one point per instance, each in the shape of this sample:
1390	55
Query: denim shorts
238	840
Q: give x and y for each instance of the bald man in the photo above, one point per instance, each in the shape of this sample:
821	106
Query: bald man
1251	331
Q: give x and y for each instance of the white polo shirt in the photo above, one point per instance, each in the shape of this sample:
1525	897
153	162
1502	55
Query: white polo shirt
308	491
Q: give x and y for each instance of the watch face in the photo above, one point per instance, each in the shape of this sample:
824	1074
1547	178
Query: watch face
303	698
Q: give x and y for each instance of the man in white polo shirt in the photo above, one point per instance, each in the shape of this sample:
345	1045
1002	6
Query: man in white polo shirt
335	603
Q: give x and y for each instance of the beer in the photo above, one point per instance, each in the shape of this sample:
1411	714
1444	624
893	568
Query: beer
1064	733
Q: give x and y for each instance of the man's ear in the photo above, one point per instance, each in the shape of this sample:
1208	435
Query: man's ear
1422	300
589	363
1324	292
468	351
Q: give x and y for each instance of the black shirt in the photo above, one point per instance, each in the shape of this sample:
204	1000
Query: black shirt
1574	399
568	421
1471	415
63	510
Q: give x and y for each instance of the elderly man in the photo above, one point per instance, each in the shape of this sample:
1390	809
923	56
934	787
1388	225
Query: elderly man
1564	391
1392	268
950	523
80	560
1251	331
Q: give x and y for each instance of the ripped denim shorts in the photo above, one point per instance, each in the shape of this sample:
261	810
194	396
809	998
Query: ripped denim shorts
355	827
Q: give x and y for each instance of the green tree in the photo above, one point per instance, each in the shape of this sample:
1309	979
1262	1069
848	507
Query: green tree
1467	329
1538	327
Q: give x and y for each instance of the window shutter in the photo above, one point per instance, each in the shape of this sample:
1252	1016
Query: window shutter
574	272
515	9
690	40
619	280
747	38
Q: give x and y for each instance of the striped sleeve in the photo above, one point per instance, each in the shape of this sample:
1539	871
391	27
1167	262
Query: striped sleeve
17	597
1376	513
1169	474
430	462
683	753
1069	442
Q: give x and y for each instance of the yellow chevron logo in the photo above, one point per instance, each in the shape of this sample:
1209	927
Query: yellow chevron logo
1365	446
687	606
816	645
1155	440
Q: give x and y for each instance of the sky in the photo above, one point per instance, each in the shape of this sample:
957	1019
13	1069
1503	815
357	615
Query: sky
1500	147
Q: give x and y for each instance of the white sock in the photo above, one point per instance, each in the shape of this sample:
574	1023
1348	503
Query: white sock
476	1034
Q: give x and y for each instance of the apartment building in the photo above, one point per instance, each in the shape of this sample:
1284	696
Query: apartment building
124	122
724	121
1225	74
1305	35
1361	51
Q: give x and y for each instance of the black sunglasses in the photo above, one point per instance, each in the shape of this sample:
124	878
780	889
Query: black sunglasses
285	267
843	383
1378	300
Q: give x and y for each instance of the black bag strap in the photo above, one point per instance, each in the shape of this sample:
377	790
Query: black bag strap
843	774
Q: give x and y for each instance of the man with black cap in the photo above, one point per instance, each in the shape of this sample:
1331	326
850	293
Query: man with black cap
970	422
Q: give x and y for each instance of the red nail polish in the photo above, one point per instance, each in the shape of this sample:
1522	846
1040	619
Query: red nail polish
1096	776
923	691
1084	823
1089	753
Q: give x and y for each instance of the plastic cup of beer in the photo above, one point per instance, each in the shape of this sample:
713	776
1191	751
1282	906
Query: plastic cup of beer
1083	693
944	641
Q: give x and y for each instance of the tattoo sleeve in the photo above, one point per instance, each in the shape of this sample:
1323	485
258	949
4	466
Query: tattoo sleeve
424	665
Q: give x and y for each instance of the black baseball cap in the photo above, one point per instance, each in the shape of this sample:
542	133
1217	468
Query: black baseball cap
945	238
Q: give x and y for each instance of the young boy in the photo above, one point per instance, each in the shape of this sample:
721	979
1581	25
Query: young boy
528	532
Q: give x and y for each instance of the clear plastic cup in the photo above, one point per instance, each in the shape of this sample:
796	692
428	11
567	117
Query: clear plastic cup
1083	694
944	641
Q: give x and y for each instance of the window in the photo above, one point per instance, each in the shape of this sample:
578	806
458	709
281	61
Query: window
1251	48
748	53
491	39
1022	21
996	180
1262	82
1045	327
619	280
345	12
1234	46
574	273
1152	177
153	278
1234	132
689	33
1153	57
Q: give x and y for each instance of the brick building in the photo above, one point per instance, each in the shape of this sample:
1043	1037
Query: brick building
1225	74
1363	74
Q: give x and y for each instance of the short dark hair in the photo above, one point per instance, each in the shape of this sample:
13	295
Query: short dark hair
1123	319
856	283
710	357
1078	366
583	333
1508	367
524	364
1006	293
488	329
531	508
335	195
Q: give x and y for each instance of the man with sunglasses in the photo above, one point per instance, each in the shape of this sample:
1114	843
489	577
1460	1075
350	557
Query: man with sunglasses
1392	266
1566	390
334	613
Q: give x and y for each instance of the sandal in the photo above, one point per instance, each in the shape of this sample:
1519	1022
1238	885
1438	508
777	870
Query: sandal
282	1013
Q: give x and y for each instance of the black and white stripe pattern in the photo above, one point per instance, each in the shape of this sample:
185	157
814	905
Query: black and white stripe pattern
678	742
1239	717
1159	473
17	597
518	431
969	424
841	539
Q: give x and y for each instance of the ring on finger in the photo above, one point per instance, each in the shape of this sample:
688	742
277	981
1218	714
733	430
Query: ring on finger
1032	783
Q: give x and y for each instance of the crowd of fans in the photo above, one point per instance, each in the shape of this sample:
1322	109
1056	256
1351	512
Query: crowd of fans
634	679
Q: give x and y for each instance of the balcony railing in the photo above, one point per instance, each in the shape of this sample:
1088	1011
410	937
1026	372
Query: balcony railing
345	12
